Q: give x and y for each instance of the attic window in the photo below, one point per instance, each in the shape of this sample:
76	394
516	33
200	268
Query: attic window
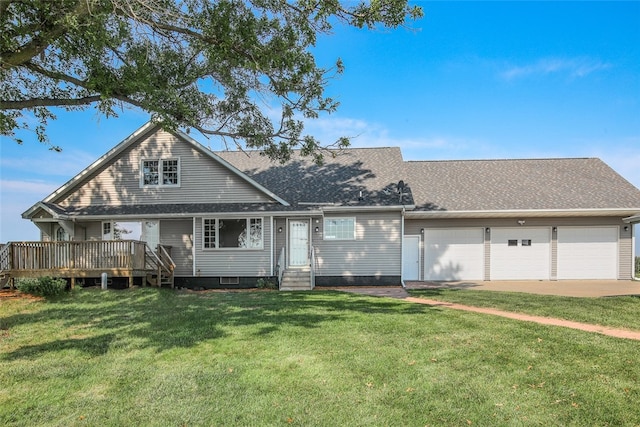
160	172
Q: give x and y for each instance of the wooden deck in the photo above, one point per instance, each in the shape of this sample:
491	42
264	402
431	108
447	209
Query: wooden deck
83	259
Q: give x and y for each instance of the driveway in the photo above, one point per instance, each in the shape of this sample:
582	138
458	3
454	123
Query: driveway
569	288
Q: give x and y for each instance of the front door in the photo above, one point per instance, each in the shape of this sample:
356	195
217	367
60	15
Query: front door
298	243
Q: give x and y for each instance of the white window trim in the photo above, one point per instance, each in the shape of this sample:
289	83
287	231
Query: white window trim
324	228
160	167
102	234
217	234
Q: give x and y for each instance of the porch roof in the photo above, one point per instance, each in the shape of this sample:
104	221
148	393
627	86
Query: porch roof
202	209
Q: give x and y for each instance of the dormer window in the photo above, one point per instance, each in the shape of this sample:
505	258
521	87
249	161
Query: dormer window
160	172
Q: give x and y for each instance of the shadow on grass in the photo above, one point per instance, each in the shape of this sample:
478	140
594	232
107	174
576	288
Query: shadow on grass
93	321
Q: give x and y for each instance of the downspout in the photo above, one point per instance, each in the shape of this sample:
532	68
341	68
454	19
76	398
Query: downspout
193	247
272	246
402	248
633	250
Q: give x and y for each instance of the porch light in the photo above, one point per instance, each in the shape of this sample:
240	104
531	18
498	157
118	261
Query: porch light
279	229
317	229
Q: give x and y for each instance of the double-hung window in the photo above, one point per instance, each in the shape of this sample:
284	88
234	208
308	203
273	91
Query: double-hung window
219	233
160	172
339	228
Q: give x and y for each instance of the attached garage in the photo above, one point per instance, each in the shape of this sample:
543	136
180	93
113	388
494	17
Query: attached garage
454	254
522	253
587	253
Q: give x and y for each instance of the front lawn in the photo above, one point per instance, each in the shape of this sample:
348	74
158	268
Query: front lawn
618	312
165	358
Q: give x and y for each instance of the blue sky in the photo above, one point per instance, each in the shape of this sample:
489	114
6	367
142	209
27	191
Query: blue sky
471	80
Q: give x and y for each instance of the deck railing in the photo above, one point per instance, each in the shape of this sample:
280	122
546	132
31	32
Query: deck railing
73	256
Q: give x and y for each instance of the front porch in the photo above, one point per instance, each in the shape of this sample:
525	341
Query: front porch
87	259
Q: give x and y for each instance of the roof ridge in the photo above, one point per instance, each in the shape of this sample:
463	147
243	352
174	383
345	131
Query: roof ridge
299	149
503	160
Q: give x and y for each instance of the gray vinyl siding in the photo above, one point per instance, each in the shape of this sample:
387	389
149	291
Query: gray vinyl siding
280	238
626	262
413	226
487	256
88	230
376	250
234	262
179	235
202	179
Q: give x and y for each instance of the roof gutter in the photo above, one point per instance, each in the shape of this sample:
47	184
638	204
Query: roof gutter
531	213
635	219
332	209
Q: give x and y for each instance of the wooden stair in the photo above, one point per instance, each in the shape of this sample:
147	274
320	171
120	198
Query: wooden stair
296	279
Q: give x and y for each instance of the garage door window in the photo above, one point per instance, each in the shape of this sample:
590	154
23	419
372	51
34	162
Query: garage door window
512	242
526	242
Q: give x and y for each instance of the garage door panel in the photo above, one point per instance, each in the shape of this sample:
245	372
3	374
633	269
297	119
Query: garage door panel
587	253
454	254
520	253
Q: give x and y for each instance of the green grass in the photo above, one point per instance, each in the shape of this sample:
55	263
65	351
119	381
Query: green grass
619	311
161	358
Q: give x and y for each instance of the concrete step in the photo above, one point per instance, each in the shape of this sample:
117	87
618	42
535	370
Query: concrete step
296	280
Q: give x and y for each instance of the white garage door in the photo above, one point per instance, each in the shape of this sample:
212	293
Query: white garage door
454	254
522	253
587	252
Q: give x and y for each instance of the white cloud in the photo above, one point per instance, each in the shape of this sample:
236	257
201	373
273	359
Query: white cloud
573	67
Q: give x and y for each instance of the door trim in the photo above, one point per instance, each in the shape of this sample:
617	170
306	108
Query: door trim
418	239
307	221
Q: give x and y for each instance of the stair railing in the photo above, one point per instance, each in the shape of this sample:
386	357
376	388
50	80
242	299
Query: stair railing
161	262
280	267
312	257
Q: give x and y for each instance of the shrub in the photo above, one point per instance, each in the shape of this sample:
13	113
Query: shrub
43	287
638	266
265	284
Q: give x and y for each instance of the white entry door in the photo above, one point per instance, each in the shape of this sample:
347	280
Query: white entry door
298	243
411	258
151	234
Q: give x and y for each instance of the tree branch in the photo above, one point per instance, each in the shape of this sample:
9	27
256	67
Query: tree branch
40	42
47	102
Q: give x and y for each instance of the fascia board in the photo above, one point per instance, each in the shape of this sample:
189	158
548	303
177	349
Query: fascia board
392	208
243	214
28	214
540	213
125	143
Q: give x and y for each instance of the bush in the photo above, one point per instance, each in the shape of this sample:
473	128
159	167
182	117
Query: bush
42	287
266	284
638	266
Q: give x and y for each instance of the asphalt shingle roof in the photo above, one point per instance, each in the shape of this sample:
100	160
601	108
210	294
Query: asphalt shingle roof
357	176
471	185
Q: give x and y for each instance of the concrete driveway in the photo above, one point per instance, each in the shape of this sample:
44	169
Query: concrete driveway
569	288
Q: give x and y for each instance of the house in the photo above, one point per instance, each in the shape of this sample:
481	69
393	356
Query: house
365	217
